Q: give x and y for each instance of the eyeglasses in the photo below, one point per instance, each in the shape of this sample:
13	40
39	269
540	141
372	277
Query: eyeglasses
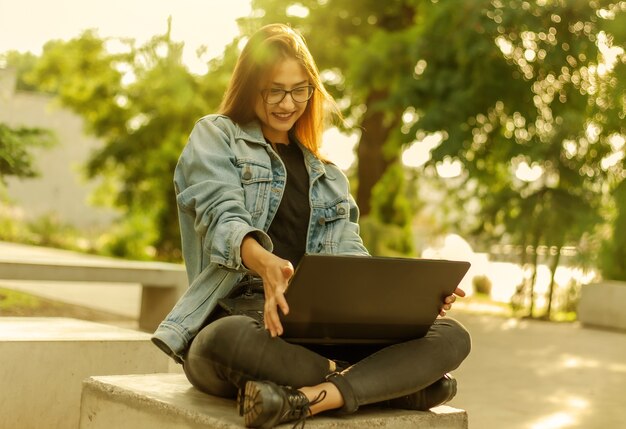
300	94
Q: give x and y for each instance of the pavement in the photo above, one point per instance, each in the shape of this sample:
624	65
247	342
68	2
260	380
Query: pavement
528	374
521	374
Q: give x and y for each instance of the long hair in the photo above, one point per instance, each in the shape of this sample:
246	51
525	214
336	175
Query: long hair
266	48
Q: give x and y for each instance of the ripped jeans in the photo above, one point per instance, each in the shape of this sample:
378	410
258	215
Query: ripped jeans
232	350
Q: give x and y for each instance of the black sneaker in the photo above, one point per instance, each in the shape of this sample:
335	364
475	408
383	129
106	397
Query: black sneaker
264	404
440	392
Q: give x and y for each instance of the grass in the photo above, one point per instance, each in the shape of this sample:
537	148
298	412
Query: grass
19	304
483	304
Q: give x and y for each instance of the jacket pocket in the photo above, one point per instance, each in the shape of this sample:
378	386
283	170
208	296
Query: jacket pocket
256	179
331	222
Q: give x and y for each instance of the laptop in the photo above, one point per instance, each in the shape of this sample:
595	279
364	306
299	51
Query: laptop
341	299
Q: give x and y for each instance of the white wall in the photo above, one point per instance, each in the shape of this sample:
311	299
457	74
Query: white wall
61	188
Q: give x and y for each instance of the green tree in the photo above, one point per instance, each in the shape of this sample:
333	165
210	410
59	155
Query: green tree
613	251
509	85
554	103
16	146
22	63
142	102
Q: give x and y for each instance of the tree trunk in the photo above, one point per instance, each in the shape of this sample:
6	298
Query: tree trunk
553	267
533	279
372	163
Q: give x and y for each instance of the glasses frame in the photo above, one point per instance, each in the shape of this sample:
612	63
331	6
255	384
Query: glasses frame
265	94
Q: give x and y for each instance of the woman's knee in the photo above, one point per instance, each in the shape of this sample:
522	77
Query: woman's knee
457	335
224	336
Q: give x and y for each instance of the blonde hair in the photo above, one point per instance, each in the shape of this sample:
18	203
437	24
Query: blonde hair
264	50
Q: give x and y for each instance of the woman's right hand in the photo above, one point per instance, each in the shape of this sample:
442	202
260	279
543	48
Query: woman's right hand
275	273
275	282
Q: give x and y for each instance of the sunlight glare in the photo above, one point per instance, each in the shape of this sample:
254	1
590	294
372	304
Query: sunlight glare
339	147
527	173
611	160
555	421
449	168
418	153
575	362
208	23
297	10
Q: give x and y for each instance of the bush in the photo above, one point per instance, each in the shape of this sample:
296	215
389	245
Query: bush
385	240
482	285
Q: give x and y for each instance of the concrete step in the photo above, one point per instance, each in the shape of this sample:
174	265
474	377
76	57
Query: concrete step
164	401
43	362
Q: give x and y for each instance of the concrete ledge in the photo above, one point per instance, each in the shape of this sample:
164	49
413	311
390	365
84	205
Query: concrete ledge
43	362
163	401
602	305
162	283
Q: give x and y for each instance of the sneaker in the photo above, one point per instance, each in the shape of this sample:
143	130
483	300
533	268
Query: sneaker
264	404
438	393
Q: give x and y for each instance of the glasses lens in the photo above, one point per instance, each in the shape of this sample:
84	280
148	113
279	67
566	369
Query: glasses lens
276	95
273	95
302	93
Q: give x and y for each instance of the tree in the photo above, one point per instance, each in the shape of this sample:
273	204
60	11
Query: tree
515	85
16	144
142	102
22	63
554	104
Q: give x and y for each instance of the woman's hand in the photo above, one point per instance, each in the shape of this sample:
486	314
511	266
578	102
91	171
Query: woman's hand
449	300
275	273
275	281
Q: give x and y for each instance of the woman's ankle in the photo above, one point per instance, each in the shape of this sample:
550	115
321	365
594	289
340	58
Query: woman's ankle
320	402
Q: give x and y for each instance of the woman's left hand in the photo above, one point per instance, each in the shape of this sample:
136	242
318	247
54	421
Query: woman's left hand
449	300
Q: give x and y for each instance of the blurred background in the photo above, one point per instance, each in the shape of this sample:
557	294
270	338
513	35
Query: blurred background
490	131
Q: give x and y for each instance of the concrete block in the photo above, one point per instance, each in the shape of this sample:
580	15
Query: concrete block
43	362
602	305
168	401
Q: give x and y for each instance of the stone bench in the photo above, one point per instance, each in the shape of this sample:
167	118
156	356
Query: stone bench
601	305
162	283
168	401
43	362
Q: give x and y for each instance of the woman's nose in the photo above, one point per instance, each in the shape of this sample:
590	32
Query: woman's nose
287	101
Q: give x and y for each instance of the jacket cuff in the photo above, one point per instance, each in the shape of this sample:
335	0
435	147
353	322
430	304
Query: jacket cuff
230	257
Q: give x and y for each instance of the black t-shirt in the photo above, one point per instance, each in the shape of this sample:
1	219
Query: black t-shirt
289	227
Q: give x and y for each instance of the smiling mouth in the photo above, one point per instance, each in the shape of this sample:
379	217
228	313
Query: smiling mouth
283	115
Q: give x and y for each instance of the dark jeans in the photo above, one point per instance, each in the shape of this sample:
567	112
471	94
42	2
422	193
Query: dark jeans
235	349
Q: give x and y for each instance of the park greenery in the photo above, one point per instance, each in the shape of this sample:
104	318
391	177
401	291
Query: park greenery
16	149
525	100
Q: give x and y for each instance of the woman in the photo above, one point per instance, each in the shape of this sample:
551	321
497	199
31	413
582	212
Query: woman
254	194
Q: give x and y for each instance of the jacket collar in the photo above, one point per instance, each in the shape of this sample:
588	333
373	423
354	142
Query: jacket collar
252	132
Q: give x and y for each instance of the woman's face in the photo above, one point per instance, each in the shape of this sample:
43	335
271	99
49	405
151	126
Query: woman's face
277	119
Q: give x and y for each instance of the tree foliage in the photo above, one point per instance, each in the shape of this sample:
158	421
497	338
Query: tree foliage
16	150
142	102
22	63
511	85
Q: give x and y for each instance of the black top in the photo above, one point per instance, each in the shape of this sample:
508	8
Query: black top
289	227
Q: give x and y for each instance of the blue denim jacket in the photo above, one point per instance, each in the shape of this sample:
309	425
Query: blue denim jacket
229	183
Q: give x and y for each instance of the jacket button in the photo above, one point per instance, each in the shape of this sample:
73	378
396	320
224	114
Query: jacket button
341	211
321	221
247	175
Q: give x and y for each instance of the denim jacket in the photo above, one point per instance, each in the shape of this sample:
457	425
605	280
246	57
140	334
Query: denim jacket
229	183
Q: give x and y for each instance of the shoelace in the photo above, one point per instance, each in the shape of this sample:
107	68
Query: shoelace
305	411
